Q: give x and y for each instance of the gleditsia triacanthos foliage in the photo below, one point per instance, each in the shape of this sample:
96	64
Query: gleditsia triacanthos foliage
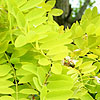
41	61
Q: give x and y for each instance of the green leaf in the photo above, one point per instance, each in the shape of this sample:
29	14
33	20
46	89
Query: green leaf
44	61
20	20
36	82
59	95
86	64
35	13
15	60
21	72
6	91
56	68
30	4
27	78
12	7
23	99
89	69
60	56
57	50
43	93
55	77
94	12
4	69
20	41
28	91
20	2
60	85
6	98
30	67
51	3
41	75
3	46
5	83
38	21
90	29
56	12
87	97
55	43
97	31
31	37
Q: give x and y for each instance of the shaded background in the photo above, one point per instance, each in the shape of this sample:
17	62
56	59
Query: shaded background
73	10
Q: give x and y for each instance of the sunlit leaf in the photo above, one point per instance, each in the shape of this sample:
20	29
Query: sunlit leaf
30	4
4	69
56	12
56	68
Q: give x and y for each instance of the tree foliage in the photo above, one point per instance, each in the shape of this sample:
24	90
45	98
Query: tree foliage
39	60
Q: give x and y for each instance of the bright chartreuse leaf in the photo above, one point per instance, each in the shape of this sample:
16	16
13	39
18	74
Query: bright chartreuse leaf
15	60
30	4
57	50
20	2
90	29
97	31
60	56
6	98
21	20
12	7
3	46
94	12
20	41
87	97
31	37
6	91
5	83
51	3
28	91
44	61
43	93
92	56
87	67
60	85
35	13
4	69
55	43
38	21
59	95
23	99
36	83
57	77
56	12
41	75
56	68
30	67
26	78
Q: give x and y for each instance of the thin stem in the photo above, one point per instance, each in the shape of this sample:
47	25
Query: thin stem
15	78
10	27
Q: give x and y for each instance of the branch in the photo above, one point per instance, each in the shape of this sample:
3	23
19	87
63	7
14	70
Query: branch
81	11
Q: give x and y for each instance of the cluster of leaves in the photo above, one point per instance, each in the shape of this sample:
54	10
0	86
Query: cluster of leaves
32	49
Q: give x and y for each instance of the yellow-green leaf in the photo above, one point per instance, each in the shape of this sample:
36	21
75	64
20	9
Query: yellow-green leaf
30	4
6	91
56	12
56	68
35	13
6	98
20	41
28	91
4	69
44	61
21	19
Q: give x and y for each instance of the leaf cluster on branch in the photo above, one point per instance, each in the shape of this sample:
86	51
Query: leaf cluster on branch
39	60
